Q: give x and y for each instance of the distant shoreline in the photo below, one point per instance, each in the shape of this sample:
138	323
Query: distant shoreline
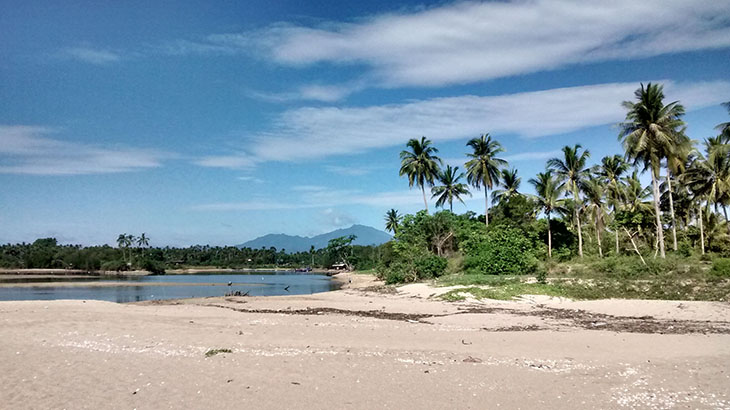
183	271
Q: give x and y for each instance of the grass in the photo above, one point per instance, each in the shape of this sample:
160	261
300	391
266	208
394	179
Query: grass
600	279
213	352
502	292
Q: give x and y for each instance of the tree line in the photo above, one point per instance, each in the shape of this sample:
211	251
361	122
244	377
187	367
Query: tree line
133	252
690	182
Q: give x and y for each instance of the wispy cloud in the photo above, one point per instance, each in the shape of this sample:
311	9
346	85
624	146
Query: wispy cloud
91	55
354	171
309	188
316	132
249	178
234	161
473	41
333	218
320	199
310	92
29	150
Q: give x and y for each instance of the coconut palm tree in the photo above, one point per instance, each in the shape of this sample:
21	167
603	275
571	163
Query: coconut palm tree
548	191
392	220
635	195
677	157
143	241
594	191
648	135
420	164
571	170
450	187
610	172
483	167
724	127
510	185
709	177
122	243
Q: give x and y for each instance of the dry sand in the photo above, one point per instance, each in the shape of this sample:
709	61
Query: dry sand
364	347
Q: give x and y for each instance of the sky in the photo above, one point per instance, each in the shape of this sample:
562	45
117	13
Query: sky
202	122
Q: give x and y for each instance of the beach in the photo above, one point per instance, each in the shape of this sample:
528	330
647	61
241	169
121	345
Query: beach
365	346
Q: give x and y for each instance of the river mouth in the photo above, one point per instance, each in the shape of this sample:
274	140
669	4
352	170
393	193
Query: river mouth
123	289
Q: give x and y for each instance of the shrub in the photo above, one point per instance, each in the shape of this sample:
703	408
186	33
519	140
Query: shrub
430	266
114	265
153	266
684	249
504	251
721	268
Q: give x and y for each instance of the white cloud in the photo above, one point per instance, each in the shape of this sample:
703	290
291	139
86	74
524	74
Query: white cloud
354	171
28	150
310	92
235	161
321	198
472	41
309	188
332	218
251	179
316	132
91	55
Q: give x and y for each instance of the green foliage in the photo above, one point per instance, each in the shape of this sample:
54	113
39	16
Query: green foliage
721	268
153	266
341	250
117	265
502	251
628	267
431	266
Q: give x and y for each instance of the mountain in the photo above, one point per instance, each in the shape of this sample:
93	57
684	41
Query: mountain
366	235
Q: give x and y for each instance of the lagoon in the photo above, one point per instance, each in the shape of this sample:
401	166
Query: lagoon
123	289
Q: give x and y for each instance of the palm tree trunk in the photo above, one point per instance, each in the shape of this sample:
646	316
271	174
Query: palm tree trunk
425	203
727	223
671	211
486	206
577	220
657	211
598	233
550	239
702	231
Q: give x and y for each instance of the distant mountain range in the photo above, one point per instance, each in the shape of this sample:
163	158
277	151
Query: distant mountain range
366	235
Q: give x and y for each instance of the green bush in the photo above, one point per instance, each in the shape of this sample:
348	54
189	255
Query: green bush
684	249
430	266
114	265
721	268
503	251
153	266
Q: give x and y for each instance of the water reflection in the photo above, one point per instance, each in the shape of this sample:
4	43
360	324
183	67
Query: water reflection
172	287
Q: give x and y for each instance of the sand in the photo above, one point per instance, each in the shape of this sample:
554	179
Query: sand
365	347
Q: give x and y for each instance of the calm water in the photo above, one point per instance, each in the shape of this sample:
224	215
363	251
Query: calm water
175	286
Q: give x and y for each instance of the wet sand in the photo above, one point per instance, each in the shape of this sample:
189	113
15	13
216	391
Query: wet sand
365	347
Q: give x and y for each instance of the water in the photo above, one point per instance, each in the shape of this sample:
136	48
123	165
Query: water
140	288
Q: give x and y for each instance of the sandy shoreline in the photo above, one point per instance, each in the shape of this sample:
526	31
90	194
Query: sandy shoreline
365	347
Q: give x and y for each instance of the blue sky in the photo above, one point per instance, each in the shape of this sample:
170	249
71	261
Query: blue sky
200	122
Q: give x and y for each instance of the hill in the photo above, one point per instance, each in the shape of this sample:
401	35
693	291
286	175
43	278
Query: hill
366	235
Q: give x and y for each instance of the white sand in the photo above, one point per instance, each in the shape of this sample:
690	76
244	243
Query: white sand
363	350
